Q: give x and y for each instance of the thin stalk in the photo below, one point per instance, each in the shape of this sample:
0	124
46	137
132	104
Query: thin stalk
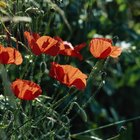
5	27
15	40
33	68
60	101
114	137
93	95
106	126
100	65
6	85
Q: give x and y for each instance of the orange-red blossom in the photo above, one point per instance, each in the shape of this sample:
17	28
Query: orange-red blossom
42	44
9	55
68	49
25	89
68	75
102	48
52	46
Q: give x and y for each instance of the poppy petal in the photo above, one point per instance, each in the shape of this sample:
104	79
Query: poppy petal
72	53
48	45
115	51
1	47
80	46
105	53
74	75
60	42
79	84
99	46
36	36
68	45
58	38
105	39
9	55
35	48
25	89
56	71
66	48
4	57
15	56
68	75
32	38
28	36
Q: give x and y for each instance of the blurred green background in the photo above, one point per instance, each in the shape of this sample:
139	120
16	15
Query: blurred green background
79	21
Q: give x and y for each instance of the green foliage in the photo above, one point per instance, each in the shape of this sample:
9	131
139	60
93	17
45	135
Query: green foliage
76	21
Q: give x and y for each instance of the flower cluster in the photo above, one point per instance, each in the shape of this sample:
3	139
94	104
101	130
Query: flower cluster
65	74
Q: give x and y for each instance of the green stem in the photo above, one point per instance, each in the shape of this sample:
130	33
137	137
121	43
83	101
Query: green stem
4	26
33	68
60	101
69	106
26	68
114	137
6	84
93	95
99	66
106	126
15	40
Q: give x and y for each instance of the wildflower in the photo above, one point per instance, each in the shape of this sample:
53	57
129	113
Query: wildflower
9	55
68	75
68	49
42	44
25	89
102	48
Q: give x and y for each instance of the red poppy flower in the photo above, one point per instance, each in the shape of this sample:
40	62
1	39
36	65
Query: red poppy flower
43	44
26	90
102	48
68	75
68	49
9	55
